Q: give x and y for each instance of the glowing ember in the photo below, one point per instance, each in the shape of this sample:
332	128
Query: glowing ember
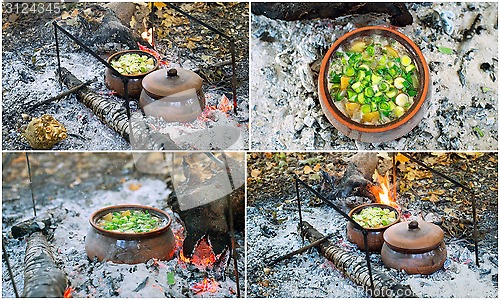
67	293
203	256
207	285
382	192
224	104
154	53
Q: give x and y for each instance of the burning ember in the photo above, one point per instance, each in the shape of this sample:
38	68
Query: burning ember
67	293
382	192
223	106
207	285
203	255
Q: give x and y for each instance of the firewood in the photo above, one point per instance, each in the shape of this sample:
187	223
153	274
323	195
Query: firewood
354	267
42	278
399	14
115	116
39	223
59	97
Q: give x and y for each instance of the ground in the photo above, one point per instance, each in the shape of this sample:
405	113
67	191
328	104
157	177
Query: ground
29	57
82	183
286	56
272	220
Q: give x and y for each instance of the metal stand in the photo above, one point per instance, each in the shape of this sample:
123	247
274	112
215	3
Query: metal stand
6	257
31	184
474	212
343	214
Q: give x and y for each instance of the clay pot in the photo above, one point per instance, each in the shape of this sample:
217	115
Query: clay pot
134	86
174	95
375	236
416	247
130	248
388	131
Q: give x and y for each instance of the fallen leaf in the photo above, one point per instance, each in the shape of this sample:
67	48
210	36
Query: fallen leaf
317	167
255	173
195	38
134	186
65	15
401	158
445	50
307	169
268	155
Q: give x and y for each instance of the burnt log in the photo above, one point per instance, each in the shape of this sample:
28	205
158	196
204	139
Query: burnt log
355	268
42	278
40	223
115	116
293	11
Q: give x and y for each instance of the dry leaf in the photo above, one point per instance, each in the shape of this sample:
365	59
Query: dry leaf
317	167
75	13
401	158
255	173
268	155
134	186
160	5
133	22
195	38
65	15
307	170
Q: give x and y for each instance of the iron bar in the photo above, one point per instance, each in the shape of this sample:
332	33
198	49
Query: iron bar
299	207
231	46
6	257
231	227
58	55
474	211
394	184
356	225
31	184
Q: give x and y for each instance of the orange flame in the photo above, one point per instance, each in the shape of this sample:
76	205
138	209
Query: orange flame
382	192
207	285
67	293
224	104
203	256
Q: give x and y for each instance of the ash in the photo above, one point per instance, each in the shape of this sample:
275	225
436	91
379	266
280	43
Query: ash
29	65
286	58
80	197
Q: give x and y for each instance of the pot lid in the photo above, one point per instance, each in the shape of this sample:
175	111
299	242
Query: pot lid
168	82
413	236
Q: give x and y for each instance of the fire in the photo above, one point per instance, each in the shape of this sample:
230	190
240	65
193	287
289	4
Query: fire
223	106
203	256
148	36
154	53
382	192
207	285
67	293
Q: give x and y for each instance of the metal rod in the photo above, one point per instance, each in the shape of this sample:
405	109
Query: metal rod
299	207
231	227
298	251
58	56
356	225
152	19
394	184
88	50
474	212
127	100
31	184
233	77
6	257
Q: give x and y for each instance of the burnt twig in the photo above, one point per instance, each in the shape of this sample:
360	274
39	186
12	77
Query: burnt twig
61	95
6	257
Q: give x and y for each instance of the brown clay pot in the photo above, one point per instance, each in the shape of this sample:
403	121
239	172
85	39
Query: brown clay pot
134	85
175	95
375	236
416	247
388	131
130	248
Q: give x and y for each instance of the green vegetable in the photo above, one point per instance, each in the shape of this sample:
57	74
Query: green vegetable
375	217
478	131
130	221
445	50
171	278
133	63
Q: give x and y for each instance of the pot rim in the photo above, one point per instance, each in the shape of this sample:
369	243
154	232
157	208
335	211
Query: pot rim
362	206
325	97
122	235
140	75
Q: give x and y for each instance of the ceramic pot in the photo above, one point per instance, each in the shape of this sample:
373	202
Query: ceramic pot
134	86
174	95
130	248
416	247
388	131
375	236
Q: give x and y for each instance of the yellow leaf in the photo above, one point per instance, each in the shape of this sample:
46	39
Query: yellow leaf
255	173
160	5
438	192
134	186
65	15
268	155
401	158
434	198
317	168
195	38
307	170
133	22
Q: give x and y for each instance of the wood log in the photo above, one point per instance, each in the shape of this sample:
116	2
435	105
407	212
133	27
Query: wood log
39	223
354	267
292	11
42	278
114	115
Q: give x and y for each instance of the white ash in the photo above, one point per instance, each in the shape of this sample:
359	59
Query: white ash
288	64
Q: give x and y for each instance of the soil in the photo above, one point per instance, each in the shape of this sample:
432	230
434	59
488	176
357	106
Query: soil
29	59
81	183
272	220
286	56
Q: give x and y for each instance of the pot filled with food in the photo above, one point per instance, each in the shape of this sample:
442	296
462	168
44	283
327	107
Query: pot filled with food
416	247
130	234
374	84
133	64
174	95
375	218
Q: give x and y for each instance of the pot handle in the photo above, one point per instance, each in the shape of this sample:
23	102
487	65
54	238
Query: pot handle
413	225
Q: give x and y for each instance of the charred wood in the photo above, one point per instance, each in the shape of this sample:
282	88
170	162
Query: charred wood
398	13
60	96
40	223
354	267
42	278
115	116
